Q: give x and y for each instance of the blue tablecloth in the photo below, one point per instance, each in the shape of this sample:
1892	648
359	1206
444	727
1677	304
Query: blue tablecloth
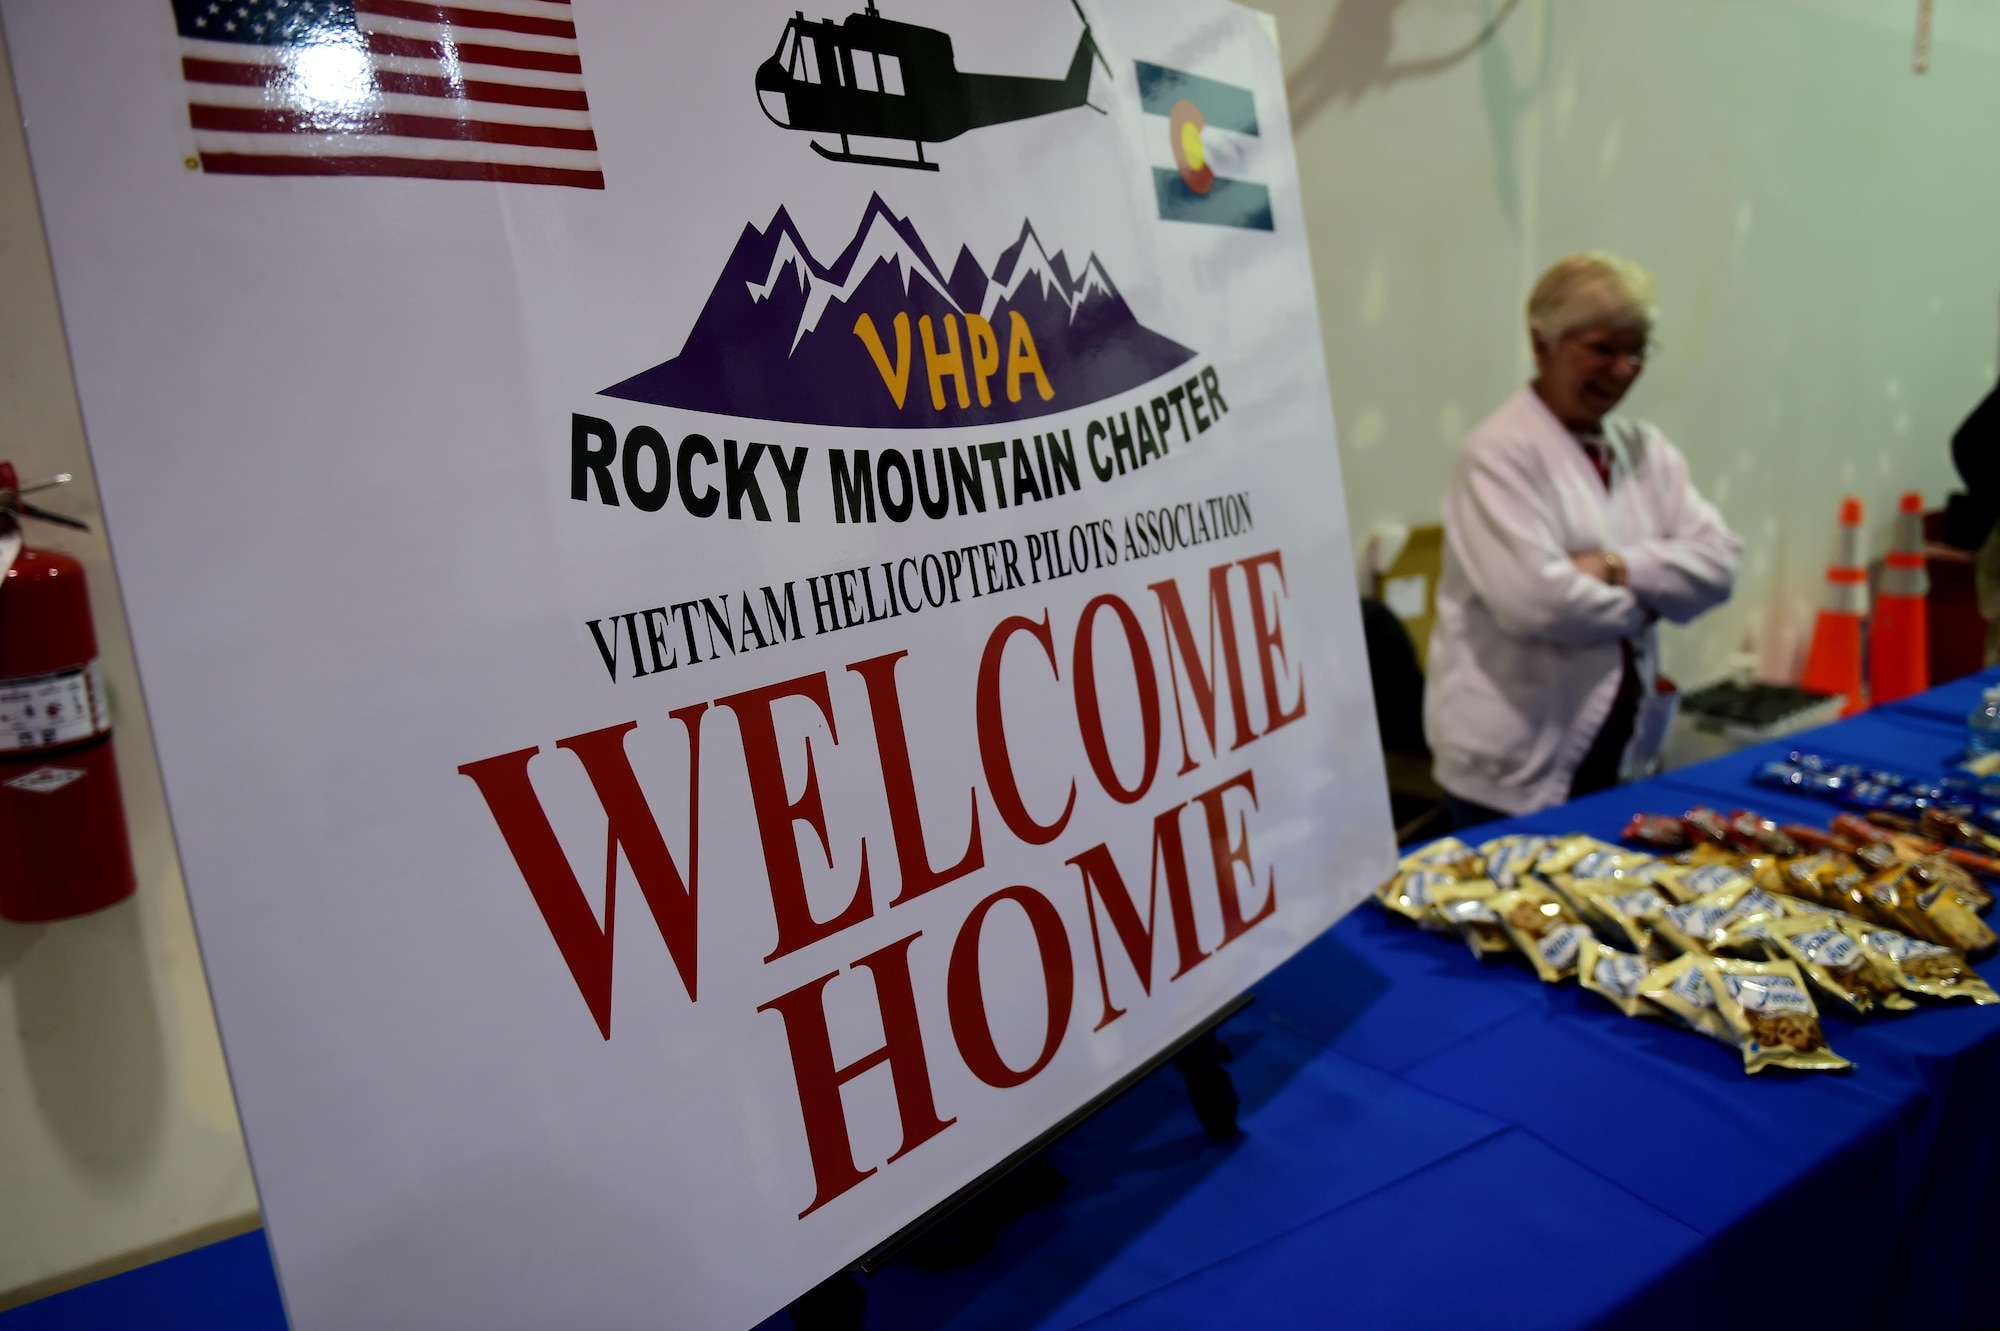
1434	1142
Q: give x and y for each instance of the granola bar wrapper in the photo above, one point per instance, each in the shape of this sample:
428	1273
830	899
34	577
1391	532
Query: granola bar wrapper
1708	852
1682	989
1613	863
1955	878
1750	941
1615	976
1631	865
1544	927
1476	922
1450	893
1510	857
1416	893
1624	911
1446	855
1926	968
1911	900
1771	1014
1836	964
1688	882
1563	853
1703	924
1808	877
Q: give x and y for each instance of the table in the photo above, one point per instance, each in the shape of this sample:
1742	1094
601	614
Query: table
1432	1141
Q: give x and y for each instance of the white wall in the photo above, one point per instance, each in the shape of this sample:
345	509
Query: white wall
118	1134
1825	225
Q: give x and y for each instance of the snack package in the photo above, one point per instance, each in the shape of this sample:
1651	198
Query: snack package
1768	1010
1446	855
1685	883
1418	894
1476	922
1681	987
1836	963
1926	968
1813	838
1508	857
1949	827
1948	872
1806	876
1705	824
1623	911
1756	834
1910	899
1563	853
1658	830
1612	863
1707	852
1543	926
1616	975
1626	865
1748	941
1701	925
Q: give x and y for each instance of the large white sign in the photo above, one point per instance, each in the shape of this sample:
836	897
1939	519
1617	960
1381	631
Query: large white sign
741	612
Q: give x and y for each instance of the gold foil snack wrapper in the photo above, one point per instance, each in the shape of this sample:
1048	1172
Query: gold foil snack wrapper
1476	922
1808	877
1415	894
1623	910
1563	853
1681	988
1627	866
1704	924
1424	873
1955	877
1691	882
1925	968
1908	899
1616	976
1707	852
1510	858
1836	964
1446	855
1771	1015
1544	927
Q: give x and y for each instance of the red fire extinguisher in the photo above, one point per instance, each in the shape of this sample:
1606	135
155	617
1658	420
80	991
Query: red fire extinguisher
63	845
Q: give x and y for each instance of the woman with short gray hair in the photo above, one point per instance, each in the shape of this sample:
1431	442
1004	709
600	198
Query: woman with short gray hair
1569	533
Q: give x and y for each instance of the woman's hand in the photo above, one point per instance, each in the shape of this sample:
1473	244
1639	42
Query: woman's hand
1603	565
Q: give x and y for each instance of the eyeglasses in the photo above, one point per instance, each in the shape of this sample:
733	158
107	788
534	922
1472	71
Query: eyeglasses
1609	347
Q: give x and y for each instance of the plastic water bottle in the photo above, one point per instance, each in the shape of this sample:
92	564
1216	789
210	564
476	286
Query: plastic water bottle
1983	726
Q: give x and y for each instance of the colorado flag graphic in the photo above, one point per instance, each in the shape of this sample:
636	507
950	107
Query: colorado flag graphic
1207	130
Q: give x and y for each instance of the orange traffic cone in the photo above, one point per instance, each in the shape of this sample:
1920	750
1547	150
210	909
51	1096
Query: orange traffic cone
1899	637
1833	665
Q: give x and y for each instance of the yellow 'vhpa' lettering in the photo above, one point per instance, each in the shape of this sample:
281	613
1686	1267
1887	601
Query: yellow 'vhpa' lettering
985	355
897	375
948	364
1022	358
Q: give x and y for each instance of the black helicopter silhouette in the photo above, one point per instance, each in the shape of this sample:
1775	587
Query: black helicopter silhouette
876	78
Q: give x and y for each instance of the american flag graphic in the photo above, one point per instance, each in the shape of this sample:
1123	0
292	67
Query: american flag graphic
388	88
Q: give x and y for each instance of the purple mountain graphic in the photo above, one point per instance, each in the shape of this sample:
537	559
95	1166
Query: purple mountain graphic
776	339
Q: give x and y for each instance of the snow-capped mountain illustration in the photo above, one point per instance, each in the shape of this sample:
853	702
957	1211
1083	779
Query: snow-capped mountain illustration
778	337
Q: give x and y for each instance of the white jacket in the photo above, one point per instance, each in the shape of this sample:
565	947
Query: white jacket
1524	659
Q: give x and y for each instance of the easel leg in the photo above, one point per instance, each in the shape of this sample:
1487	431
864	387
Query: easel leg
1209	1088
834	1304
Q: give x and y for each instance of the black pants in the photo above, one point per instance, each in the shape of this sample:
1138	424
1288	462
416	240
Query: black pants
1599	768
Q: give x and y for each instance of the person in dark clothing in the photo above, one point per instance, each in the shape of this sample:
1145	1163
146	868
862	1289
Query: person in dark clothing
1976	451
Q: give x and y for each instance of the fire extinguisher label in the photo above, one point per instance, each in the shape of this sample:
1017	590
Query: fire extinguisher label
41	711
47	780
